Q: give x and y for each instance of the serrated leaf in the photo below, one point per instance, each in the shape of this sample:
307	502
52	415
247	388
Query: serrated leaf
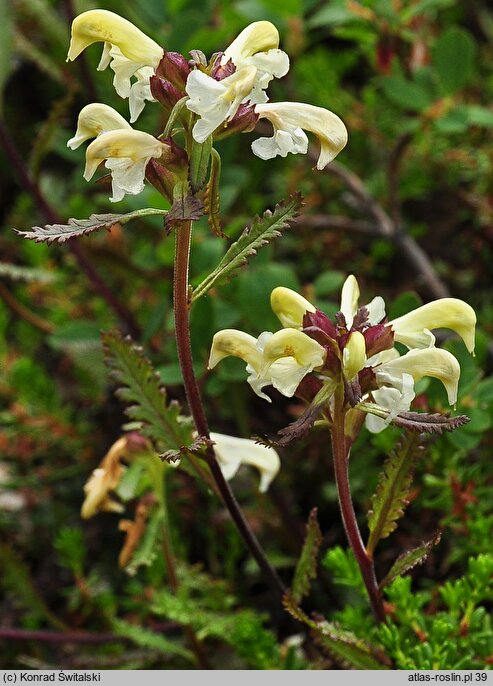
410	559
59	233
394	484
306	568
145	638
423	422
263	230
140	387
347	649
212	196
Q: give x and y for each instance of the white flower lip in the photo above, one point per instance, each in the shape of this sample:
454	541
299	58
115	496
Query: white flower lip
289	120
434	362
127	153
127	50
232	452
214	101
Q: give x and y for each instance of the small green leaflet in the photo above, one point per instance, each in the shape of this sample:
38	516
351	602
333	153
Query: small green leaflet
344	647
306	568
146	638
263	230
394	484
410	559
140	386
59	233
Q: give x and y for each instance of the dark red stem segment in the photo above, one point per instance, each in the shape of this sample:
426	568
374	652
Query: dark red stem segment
181	306
340	455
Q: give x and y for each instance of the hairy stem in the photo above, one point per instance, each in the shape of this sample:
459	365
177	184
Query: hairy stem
340	453
181	307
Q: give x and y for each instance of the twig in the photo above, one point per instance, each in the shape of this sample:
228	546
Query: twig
24	312
388	228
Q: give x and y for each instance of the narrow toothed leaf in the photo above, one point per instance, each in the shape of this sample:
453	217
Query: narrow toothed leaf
199	163
394	484
263	230
139	386
212	196
429	423
410	559
349	651
306	568
59	233
196	446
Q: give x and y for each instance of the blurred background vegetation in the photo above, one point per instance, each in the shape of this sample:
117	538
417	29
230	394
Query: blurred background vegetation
407	208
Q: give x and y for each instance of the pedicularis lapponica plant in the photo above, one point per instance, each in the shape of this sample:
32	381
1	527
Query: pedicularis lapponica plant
356	369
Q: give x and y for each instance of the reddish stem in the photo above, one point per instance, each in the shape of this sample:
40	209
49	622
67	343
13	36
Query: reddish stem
181	306
340	454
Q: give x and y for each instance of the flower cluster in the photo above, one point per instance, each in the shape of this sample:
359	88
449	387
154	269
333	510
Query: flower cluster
312	354
225	95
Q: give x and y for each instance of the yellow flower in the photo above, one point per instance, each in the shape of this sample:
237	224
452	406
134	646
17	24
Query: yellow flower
414	328
127	50
127	153
290	307
95	119
289	120
281	359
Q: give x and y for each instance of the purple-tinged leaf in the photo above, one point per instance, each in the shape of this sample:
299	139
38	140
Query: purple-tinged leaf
410	559
59	233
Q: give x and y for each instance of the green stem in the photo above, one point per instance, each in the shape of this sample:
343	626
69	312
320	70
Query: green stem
340	453
181	307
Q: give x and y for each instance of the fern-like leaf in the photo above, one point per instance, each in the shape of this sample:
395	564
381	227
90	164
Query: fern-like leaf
263	230
145	638
59	233
140	387
349	651
306	569
391	495
410	559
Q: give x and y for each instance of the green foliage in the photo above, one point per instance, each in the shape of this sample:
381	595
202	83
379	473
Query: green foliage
140	385
205	605
145	638
458	636
263	230
306	568
391	496
406	561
